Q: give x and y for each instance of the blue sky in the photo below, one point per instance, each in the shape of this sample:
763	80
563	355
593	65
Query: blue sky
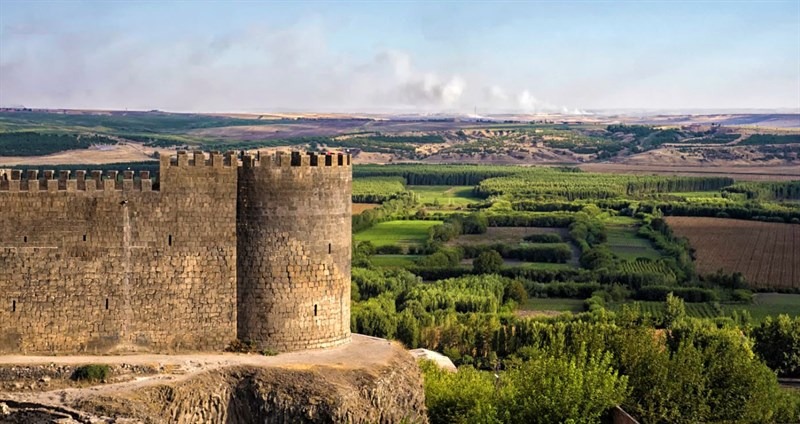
401	56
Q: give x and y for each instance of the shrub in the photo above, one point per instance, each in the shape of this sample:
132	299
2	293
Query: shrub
744	296
389	249
241	346
475	223
515	291
489	262
543	238
91	372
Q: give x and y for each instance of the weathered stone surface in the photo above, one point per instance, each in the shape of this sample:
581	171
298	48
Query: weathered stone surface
294	253
367	381
102	265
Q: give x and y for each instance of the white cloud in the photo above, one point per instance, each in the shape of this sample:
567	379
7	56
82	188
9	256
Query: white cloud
256	69
495	93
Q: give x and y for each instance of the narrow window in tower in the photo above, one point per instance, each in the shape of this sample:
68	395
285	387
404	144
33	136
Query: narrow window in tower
25	239
170	240
84	237
106	303
315	310
13	306
329	248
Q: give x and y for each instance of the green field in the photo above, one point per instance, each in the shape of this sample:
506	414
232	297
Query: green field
764	304
445	195
543	266
695	194
773	304
656	309
552	304
403	233
620	220
393	261
623	242
638	266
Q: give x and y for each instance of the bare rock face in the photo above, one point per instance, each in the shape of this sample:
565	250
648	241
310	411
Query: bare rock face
385	391
264	395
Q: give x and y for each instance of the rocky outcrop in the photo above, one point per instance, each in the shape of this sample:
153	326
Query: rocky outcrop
249	395
390	392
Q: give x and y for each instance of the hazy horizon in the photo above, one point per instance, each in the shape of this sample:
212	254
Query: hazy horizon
402	57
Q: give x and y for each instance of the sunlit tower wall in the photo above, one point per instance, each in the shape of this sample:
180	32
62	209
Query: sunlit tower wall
293	250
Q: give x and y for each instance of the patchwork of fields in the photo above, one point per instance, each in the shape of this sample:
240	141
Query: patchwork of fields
765	253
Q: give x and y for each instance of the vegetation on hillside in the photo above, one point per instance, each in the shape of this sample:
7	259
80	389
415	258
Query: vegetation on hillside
29	143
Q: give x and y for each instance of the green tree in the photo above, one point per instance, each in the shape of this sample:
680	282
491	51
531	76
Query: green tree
408	329
777	342
675	312
515	291
558	389
475	223
468	396
489	262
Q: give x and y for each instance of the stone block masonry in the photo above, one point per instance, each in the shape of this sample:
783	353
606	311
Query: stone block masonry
219	249
294	236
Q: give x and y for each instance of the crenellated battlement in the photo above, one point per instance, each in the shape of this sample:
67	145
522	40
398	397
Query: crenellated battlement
295	159
49	182
199	158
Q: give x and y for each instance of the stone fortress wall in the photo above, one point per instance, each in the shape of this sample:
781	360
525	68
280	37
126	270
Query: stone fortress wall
294	272
98	263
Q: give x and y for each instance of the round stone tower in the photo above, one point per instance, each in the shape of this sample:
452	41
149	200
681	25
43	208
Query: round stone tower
293	250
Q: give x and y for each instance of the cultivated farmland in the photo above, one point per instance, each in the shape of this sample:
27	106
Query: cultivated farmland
445	195
767	254
404	233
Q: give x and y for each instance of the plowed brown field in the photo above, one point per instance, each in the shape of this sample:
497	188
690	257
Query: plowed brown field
361	207
766	253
